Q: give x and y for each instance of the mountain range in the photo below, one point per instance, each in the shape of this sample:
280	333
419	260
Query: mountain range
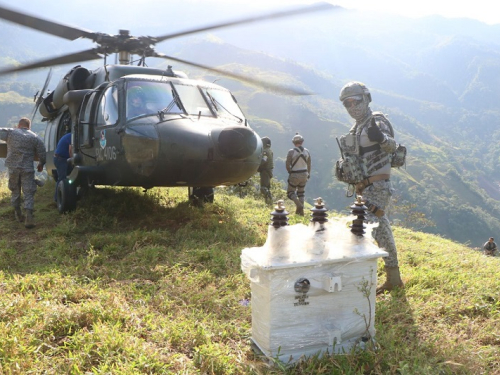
436	78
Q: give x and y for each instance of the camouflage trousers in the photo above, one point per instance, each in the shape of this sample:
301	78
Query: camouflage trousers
22	179
265	184
265	178
297	186
379	194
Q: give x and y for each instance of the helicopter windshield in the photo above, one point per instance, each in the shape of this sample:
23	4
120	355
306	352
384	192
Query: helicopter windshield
224	103
193	100
148	98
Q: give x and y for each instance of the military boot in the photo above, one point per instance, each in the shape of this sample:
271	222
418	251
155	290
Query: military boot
299	202
269	198
393	280
298	205
30	221
18	214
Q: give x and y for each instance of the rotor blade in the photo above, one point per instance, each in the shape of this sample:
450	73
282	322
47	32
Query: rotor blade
267	85
49	27
39	98
33	112
71	58
47	81
286	13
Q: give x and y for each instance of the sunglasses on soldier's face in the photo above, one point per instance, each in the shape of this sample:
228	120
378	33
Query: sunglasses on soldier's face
352	101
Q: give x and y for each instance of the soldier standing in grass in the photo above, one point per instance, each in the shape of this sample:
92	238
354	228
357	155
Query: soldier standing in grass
23	146
371	143
266	170
490	247
298	165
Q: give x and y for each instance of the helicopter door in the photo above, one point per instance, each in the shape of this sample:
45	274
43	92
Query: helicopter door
85	138
63	127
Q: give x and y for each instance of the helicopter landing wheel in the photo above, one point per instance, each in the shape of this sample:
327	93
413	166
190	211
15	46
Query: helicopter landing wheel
200	195
66	196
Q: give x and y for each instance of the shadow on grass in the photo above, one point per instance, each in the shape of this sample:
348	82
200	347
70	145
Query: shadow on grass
124	230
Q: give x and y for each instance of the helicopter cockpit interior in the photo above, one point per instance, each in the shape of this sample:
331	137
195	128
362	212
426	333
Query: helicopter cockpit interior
178	98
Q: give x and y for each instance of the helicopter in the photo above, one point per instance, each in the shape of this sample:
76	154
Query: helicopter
133	125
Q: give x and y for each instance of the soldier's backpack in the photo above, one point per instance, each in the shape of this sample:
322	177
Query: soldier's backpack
398	157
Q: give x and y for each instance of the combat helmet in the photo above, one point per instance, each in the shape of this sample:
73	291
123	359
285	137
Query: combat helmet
266	141
297	138
354	89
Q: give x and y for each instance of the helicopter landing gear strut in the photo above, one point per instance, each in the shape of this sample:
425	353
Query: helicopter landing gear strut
200	195
66	196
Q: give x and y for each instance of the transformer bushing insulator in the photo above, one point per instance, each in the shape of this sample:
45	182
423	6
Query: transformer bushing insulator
319	212
279	217
358	209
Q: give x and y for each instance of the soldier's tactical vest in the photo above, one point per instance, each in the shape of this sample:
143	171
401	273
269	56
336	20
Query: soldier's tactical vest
353	167
299	160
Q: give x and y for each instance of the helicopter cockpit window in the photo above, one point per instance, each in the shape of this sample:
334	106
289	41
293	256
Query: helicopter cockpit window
224	103
148	98
193	100
87	109
107	111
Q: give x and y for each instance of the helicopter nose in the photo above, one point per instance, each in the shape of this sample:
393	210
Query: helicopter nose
237	142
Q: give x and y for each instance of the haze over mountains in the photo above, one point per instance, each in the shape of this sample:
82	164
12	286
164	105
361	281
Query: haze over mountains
437	78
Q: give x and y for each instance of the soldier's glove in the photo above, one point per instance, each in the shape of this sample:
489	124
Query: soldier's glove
374	132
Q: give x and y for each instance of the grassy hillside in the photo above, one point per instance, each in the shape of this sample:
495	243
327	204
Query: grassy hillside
135	282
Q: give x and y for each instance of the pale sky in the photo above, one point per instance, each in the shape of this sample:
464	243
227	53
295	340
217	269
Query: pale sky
487	11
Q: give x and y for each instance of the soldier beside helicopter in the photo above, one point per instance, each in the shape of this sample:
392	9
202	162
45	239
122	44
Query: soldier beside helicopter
367	156
266	170
23	146
62	153
298	165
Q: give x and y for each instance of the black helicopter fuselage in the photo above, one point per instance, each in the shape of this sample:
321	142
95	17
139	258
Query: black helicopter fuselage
188	133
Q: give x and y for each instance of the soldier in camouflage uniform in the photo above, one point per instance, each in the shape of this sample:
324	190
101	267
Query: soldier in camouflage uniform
22	147
298	165
266	170
376	143
490	247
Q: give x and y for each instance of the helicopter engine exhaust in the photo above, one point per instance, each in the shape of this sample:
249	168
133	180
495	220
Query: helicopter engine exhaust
75	79
237	142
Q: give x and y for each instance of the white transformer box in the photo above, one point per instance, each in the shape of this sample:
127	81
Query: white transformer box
313	292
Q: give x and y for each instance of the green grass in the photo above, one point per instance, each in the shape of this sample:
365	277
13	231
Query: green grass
144	283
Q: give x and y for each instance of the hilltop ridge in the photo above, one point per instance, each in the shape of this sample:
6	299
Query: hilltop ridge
136	282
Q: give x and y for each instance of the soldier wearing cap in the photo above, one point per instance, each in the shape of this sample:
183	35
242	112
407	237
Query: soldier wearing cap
374	143
298	166
266	170
23	146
